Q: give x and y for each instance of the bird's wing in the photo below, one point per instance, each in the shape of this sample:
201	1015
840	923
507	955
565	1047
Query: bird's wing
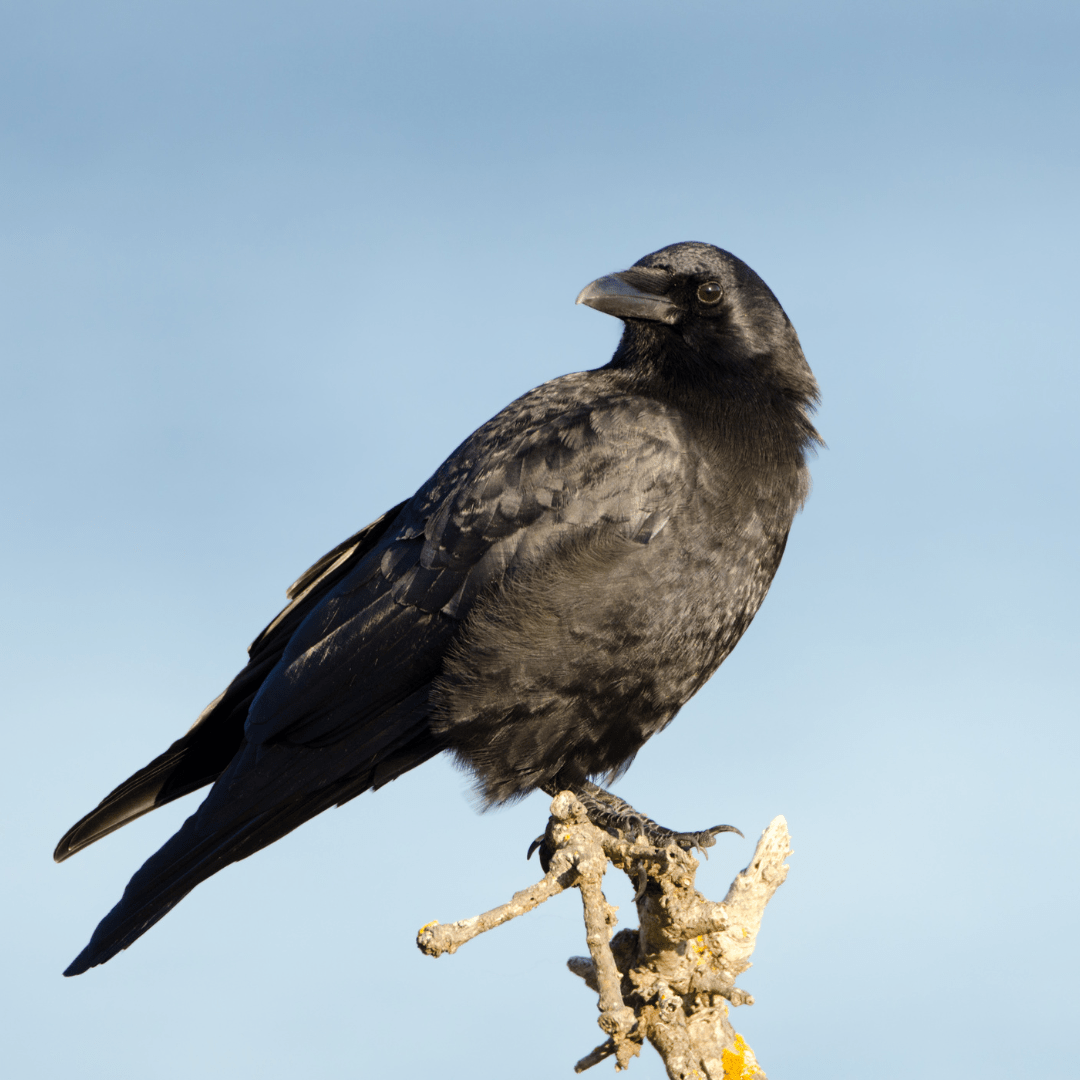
204	751
504	503
347	706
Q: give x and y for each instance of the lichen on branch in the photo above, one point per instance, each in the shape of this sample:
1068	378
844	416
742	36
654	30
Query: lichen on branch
671	981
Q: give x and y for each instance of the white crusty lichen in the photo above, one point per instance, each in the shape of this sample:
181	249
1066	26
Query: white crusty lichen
671	981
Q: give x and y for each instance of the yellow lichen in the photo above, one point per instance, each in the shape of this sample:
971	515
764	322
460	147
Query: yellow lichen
701	949
736	1067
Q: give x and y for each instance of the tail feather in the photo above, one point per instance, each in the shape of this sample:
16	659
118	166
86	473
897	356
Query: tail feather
134	797
243	814
190	856
200	756
192	762
182	863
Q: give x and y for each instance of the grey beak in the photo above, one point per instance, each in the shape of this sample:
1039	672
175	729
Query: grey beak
632	294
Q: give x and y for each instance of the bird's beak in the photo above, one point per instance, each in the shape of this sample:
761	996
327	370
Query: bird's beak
633	294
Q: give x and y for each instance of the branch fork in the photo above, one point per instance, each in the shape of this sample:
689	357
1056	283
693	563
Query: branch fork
672	980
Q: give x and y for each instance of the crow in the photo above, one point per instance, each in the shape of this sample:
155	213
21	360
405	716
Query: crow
546	602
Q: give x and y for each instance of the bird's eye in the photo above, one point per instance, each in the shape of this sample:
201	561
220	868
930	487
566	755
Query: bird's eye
710	292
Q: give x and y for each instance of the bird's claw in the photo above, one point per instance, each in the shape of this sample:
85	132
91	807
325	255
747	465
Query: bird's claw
619	819
703	840
627	826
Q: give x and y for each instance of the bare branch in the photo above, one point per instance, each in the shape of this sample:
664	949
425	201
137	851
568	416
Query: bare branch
594	1057
672	980
437	938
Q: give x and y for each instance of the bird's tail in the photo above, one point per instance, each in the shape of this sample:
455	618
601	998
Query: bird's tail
193	761
172	872
216	835
149	788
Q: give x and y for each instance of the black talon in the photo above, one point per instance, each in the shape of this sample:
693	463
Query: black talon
704	839
619	819
709	837
546	852
724	828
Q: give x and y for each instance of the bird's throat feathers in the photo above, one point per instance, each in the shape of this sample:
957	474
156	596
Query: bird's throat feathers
754	404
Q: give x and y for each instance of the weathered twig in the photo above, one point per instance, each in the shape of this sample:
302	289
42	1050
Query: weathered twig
672	980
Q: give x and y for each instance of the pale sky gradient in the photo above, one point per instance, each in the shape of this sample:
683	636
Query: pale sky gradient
265	265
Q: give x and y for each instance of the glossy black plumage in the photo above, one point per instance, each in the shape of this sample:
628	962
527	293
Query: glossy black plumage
546	602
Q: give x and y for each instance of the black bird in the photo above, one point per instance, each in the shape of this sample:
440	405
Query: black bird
546	602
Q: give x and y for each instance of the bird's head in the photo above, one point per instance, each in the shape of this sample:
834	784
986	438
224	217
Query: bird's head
700	305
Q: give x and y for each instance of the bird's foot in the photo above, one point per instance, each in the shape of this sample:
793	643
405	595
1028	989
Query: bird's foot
618	818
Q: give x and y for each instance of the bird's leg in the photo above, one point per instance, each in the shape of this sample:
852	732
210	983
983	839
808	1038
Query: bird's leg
616	816
619	818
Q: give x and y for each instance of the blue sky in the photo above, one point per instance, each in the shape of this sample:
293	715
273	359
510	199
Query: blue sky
265	265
